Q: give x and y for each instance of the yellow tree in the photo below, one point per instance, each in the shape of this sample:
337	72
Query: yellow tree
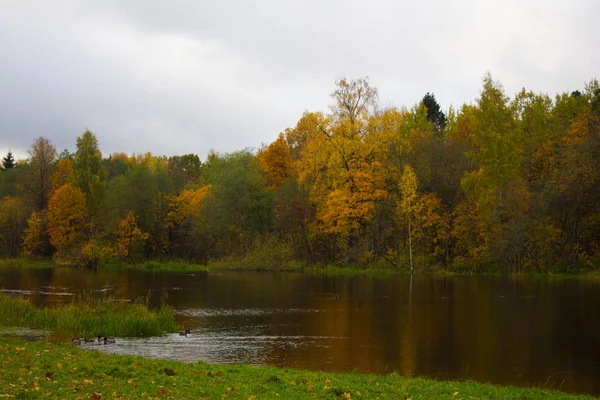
340	165
185	219
35	236
130	236
276	163
62	174
406	206
66	220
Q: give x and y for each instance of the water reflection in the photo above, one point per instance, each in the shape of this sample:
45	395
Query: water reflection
519	331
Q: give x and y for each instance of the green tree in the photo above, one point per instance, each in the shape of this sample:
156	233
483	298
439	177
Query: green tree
406	206
8	161
89	174
12	223
435	114
239	208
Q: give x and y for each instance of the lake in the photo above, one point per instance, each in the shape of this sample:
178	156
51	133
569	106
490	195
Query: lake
521	331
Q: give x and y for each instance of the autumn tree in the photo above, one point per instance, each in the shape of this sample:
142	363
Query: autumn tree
408	189
187	220
63	173
12	223
36	241
42	156
130	239
66	221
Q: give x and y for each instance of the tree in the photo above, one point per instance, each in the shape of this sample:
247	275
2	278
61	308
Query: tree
63	173
35	236
42	157
184	169
89	173
276	163
406	206
187	222
66	218
354	100
130	238
12	223
8	161
434	114
239	209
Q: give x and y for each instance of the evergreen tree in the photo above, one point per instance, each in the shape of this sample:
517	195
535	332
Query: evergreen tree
8	162
435	114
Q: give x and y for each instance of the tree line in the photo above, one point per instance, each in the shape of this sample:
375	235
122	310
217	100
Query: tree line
504	183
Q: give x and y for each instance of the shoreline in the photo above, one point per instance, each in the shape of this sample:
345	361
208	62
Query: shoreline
238	265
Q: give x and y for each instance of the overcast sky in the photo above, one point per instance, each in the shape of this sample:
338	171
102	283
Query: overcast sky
186	76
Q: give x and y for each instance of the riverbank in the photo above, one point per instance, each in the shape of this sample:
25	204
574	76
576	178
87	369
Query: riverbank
41	369
235	264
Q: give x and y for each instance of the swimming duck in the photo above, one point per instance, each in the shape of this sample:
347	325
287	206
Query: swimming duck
185	332
109	340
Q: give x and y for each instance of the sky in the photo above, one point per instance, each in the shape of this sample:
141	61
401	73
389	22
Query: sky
190	76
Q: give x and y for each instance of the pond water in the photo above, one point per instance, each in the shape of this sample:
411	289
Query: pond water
532	332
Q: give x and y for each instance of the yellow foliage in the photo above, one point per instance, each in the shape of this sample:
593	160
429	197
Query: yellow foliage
66	217
62	174
276	162
129	235
33	235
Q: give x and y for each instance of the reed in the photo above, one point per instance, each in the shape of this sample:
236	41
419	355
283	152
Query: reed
90	317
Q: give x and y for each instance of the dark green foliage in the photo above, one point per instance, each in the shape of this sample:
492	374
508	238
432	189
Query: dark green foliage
184	170
435	114
8	161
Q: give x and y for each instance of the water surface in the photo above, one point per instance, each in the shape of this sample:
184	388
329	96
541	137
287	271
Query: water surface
532	332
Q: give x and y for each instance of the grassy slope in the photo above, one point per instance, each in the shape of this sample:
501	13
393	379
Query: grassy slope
38	369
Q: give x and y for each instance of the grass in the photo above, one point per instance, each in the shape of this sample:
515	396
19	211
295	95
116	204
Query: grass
175	266
25	263
89	318
38	369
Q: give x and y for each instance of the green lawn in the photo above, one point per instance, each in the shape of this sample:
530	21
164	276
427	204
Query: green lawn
45	370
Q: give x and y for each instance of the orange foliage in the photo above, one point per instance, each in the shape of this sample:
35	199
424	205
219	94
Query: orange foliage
63	173
129	235
66	217
276	162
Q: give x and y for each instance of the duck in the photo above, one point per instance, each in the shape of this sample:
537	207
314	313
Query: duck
90	340
185	332
109	340
76	339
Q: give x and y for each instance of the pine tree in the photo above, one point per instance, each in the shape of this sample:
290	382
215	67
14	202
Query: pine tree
8	162
435	114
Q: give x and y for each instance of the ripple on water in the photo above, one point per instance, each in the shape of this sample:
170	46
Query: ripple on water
213	347
30	292
219	312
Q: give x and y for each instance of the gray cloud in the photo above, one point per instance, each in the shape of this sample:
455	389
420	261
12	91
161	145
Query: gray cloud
187	76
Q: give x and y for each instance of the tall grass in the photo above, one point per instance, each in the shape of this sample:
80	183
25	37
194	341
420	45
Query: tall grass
89	318
26	263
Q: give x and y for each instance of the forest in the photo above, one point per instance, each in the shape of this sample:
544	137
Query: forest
507	184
